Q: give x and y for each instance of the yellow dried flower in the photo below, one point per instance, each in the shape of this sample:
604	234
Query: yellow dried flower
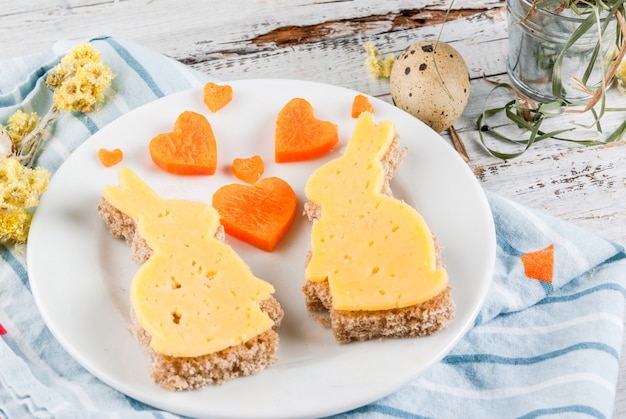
20	124
56	77
379	67
81	54
79	80
14	226
20	186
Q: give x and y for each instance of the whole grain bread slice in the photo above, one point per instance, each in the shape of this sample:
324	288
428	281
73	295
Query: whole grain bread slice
187	373
417	320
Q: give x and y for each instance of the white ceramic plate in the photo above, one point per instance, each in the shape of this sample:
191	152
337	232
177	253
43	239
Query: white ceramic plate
80	275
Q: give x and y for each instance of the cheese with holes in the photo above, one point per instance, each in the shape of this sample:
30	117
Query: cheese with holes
376	252
195	295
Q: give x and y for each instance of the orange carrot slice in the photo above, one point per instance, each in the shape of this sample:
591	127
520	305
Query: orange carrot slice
110	157
217	96
260	214
249	169
188	150
300	135
361	104
540	264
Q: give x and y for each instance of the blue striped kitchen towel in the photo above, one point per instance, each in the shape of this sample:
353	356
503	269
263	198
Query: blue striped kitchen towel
538	349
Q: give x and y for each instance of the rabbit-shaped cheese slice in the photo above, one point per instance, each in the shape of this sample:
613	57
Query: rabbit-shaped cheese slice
194	295
376	251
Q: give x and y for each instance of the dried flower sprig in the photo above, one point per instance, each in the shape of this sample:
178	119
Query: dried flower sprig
20	188
20	124
79	82
379	67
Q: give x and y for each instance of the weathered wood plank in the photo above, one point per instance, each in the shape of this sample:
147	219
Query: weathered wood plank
172	27
586	188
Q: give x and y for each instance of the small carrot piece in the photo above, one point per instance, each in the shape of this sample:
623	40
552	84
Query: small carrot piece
110	157
540	264
216	96
249	169
361	104
188	150
300	135
260	214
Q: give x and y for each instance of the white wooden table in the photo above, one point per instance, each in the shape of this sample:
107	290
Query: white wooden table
323	41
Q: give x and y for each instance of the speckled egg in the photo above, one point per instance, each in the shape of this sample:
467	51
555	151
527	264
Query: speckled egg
430	81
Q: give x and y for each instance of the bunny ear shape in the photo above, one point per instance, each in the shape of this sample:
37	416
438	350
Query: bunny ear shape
133	193
364	143
365	152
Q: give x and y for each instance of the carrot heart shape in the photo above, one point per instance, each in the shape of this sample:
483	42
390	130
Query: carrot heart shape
216	96
110	158
188	150
360	104
260	214
248	169
300	135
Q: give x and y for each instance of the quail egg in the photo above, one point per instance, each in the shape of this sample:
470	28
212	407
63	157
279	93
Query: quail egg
430	80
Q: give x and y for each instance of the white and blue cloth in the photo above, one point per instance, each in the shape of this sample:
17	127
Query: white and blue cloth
537	349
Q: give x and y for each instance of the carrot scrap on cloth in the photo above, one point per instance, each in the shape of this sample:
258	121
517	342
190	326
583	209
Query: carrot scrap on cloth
300	135
248	169
110	157
188	150
216	96
259	215
539	264
361	104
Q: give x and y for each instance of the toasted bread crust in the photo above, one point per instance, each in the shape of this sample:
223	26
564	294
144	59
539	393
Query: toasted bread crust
187	373
417	320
